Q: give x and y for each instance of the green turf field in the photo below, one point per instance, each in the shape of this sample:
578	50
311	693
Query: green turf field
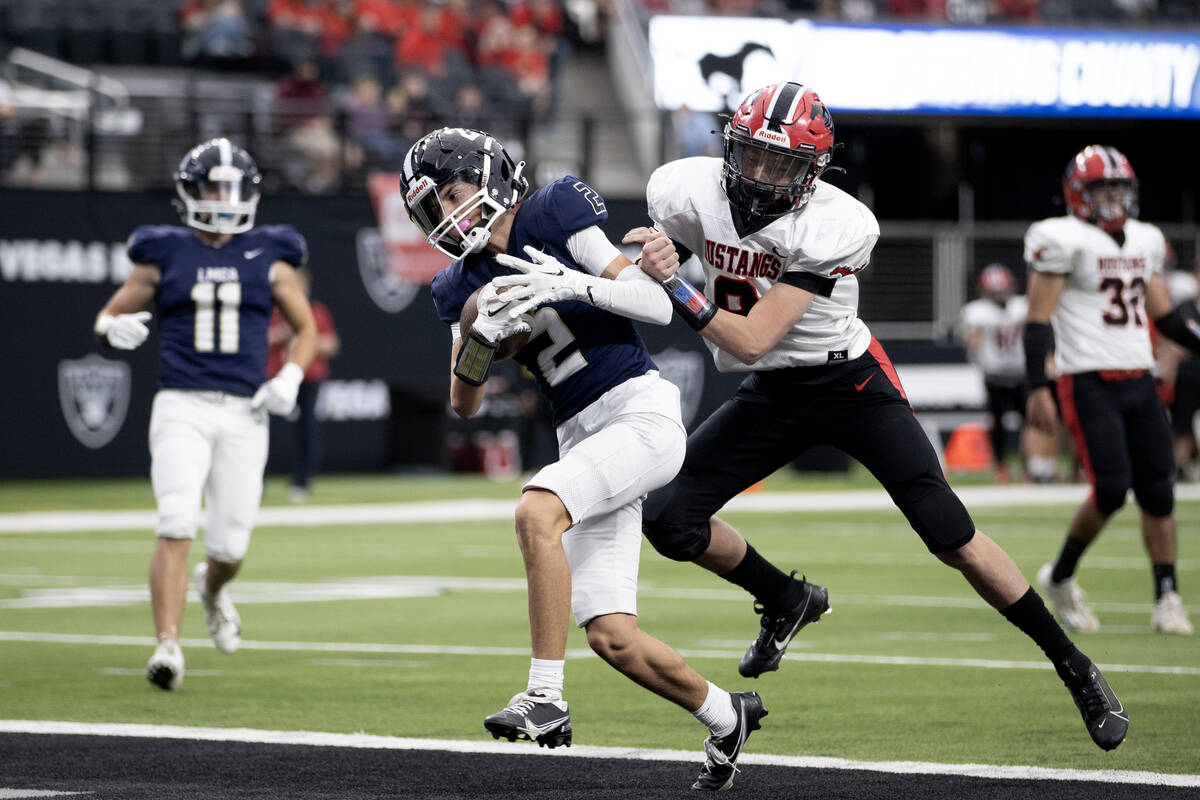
449	651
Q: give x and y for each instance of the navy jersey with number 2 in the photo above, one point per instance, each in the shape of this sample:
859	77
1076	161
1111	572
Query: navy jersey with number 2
213	304
576	351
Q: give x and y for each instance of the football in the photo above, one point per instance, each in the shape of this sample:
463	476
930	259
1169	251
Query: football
508	347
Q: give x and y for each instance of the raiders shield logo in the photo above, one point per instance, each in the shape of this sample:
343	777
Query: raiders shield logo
685	369
390	292
94	394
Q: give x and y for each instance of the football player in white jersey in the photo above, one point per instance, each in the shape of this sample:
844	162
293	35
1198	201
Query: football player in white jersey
1094	277
780	250
991	328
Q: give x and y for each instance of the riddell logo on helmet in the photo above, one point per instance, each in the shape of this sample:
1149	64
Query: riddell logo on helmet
418	189
775	137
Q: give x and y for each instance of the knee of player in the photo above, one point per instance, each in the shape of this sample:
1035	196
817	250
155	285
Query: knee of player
961	555
1109	494
610	637
1156	498
677	541
176	523
540	516
227	547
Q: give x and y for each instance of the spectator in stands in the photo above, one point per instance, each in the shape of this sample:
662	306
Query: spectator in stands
214	31
307	428
412	104
422	45
302	106
368	123
295	26
527	60
923	9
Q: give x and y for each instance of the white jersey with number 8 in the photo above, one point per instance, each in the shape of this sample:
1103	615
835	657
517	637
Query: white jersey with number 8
821	247
1100	322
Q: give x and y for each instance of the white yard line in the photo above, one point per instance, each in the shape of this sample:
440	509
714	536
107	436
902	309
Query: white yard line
467	509
362	740
433	649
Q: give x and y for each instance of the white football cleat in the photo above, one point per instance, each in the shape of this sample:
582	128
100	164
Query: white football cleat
224	624
1169	616
1068	602
165	667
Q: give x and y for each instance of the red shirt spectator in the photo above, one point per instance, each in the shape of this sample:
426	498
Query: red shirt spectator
544	15
919	8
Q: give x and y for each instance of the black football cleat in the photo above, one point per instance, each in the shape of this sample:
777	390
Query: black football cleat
720	754
778	628
1106	719
534	716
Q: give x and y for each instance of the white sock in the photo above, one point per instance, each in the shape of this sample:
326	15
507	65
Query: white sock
546	674
717	711
1042	467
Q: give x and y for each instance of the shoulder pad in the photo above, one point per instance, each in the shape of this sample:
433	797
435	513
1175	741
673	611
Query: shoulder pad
289	245
1050	244
148	244
575	204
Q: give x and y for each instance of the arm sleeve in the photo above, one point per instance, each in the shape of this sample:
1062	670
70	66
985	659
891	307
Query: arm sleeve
591	249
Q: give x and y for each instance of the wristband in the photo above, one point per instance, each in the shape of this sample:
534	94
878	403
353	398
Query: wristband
689	302
1037	344
474	360
1180	325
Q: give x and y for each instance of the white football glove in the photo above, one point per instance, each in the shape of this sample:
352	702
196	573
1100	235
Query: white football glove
544	279
123	331
497	318
543	276
278	395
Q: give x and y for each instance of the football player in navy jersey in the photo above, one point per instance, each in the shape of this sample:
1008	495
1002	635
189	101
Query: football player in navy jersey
212	284
578	522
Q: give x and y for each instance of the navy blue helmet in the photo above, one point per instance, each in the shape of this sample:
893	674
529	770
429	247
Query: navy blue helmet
454	155
218	187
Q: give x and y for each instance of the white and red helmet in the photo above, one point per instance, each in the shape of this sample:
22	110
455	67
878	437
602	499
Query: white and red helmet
777	144
1094	166
997	282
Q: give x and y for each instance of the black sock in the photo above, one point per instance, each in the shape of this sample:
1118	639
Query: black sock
1030	615
1064	567
770	586
1164	580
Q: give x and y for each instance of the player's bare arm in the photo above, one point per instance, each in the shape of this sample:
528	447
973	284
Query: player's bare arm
136	293
294	308
122	321
749	337
465	399
1044	292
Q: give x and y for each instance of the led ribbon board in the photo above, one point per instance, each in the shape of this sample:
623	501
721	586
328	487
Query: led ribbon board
708	63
